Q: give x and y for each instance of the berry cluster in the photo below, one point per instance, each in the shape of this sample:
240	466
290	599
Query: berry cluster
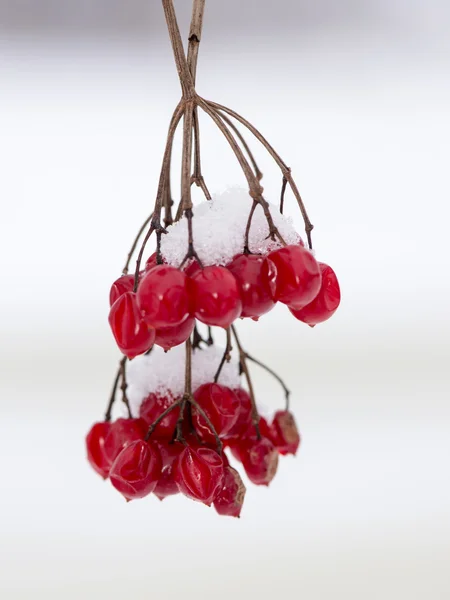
167	300
140	455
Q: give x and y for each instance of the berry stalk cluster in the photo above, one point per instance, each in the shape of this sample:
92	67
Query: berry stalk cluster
178	442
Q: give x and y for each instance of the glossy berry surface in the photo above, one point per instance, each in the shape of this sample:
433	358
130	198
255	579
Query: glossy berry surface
163	298
132	335
151	262
95	447
256	277
231	496
216	299
325	303
259	459
166	485
122	433
169	337
244	415
199	474
221	405
120	286
298	277
152	407
136	470
284	433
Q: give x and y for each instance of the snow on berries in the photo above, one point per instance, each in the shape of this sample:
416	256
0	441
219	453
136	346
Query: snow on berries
189	406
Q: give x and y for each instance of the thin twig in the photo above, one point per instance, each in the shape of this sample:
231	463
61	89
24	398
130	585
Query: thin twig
283	166
247	229
195	36
241	138
283	192
286	390
162	416
226	356
207	420
124	385
245	370
112	397
135	243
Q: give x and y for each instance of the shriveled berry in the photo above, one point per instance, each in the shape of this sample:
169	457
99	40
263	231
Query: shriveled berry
298	276
220	404
325	303
152	407
199	474
169	337
132	335
166	485
284	433
136	470
163	297
215	297
256	277
244	416
230	498
95	446
259	459
122	433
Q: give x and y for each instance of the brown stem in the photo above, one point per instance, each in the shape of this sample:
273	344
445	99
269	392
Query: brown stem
247	229
135	243
162	416
112	397
284	168
197	176
155	224
245	370
195	35
283	192
184	74
124	385
255	188
210	340
226	356
207	420
286	390
186	161
191	253
241	138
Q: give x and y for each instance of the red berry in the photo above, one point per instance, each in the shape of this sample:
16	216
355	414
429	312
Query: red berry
215	297
95	443
166	485
230	499
169	337
256	277
244	418
152	407
284	433
122	432
260	460
120	286
163	297
199	474
151	262
325	303
298	276
248	435
136	470
192	268
221	405
132	335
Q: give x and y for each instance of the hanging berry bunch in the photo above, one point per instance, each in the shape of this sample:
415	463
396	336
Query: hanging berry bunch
186	401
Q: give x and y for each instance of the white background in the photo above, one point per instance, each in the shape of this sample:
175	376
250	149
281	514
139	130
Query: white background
358	107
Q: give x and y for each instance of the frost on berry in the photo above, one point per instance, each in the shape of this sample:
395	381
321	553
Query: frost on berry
95	446
230	498
325	303
132	335
137	469
199	474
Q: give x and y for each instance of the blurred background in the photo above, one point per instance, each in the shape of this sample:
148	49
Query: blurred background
355	96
